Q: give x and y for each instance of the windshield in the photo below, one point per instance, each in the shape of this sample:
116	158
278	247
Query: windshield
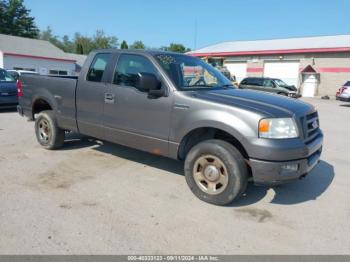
190	73
280	83
5	77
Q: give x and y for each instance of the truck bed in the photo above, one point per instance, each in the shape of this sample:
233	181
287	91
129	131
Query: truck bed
53	89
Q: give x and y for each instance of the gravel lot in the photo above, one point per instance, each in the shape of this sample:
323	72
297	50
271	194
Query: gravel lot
94	198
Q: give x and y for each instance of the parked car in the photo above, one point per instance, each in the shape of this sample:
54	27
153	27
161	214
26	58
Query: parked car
271	85
343	93
16	74
225	136
8	90
223	70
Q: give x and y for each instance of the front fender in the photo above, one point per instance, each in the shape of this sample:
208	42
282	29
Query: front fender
222	120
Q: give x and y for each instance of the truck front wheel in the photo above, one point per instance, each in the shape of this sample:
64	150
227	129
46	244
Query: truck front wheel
48	134
216	172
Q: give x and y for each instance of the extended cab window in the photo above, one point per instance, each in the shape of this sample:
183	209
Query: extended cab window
98	67
129	66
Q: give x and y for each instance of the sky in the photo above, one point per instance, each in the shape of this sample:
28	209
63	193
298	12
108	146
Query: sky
194	23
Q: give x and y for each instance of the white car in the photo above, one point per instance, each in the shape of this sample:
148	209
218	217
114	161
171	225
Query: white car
17	73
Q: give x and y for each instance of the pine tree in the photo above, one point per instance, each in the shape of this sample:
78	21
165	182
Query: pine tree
138	45
124	45
15	19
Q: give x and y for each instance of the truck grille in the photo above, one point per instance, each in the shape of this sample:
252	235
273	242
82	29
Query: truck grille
311	126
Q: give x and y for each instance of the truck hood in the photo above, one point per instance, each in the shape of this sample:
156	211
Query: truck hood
261	102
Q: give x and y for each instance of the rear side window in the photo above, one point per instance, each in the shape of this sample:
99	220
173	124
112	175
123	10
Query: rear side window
254	81
244	82
347	83
98	67
129	66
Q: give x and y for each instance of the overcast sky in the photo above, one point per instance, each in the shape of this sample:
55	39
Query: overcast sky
159	22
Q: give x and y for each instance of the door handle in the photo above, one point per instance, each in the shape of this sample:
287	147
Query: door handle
109	98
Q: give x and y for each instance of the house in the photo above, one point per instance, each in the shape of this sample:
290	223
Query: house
41	56
316	65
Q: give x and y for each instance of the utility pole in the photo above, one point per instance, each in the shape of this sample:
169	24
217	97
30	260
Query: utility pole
195	34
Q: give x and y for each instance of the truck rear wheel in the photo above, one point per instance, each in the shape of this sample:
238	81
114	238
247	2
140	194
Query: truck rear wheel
216	172
48	134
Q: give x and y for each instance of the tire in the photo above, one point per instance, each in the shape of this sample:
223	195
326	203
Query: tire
232	172
48	134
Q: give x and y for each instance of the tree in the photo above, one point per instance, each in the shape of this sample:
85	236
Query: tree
67	45
80	44
124	45
178	48
101	41
15	19
48	35
138	45
83	44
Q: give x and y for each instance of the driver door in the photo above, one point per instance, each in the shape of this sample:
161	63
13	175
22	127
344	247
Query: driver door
134	118
269	86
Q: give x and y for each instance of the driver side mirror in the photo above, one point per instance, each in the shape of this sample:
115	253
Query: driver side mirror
147	82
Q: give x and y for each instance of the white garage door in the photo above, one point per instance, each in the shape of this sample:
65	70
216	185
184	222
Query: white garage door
237	69
286	71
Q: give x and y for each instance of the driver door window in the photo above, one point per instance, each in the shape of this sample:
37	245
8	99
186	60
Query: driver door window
269	85
129	66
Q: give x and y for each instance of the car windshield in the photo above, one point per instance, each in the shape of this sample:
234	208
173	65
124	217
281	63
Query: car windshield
190	73
5	76
280	83
347	83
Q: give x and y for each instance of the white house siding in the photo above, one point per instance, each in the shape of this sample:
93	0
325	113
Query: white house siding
288	71
42	66
238	69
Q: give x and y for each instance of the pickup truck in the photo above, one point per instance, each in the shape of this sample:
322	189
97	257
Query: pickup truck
145	100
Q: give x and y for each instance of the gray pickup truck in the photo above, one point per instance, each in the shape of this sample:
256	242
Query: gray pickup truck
179	107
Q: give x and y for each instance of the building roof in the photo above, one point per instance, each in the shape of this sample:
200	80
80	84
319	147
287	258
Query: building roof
80	59
318	44
33	48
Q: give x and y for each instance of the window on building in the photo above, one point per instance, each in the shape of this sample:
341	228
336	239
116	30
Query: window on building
58	72
129	66
98	67
53	72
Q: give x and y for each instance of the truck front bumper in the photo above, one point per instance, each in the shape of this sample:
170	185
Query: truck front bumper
269	172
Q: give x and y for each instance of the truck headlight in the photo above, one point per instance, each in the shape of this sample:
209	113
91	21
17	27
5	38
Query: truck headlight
278	128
